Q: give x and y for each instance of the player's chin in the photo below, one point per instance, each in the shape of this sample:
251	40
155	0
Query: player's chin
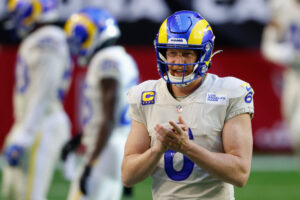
178	74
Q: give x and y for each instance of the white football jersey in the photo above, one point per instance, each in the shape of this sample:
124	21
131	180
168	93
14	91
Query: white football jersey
43	74
286	14
111	62
205	111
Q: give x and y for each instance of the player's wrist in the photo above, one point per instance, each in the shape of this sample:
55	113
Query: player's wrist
159	149
187	147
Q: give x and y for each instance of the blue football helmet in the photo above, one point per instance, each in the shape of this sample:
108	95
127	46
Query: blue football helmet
89	29
184	30
24	14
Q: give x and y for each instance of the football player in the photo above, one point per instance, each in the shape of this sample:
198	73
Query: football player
281	44
41	126
92	34
191	130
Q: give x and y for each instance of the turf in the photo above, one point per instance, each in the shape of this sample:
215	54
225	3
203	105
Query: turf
272	178
275	185
262	185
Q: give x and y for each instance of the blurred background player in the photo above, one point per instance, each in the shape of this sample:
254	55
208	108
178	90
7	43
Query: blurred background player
92	34
191	130
41	127
281	44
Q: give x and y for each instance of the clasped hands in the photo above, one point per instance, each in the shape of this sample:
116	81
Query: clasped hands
173	136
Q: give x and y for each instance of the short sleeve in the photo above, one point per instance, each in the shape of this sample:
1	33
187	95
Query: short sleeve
242	103
135	110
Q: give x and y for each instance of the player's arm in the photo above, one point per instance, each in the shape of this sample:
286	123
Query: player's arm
273	45
109	88
140	159
232	166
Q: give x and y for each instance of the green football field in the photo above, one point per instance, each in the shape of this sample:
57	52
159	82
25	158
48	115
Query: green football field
275	185
272	178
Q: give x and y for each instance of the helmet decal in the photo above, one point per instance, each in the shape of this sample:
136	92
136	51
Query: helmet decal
88	29
11	5
36	12
81	22
162	37
201	29
25	13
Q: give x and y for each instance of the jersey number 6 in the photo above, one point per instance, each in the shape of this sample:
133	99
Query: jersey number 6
187	167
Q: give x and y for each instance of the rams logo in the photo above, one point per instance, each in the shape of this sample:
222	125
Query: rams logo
148	97
249	97
247	86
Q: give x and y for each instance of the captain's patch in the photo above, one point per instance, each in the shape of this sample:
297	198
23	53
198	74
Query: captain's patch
148	97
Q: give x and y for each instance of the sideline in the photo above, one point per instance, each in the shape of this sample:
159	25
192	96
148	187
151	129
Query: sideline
275	162
260	162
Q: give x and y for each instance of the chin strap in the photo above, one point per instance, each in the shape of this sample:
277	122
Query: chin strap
175	79
178	80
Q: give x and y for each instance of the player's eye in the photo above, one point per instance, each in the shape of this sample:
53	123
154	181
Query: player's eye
186	54
172	54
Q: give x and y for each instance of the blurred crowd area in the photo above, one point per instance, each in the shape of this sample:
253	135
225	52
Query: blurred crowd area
238	26
235	22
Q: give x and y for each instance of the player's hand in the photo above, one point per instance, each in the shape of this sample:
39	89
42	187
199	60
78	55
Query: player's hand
70	146
160	146
13	155
174	136
84	179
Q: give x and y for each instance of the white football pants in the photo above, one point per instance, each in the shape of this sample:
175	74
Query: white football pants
31	180
105	180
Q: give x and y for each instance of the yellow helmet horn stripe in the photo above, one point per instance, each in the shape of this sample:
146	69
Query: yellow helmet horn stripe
12	5
36	11
198	31
162	37
84	21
